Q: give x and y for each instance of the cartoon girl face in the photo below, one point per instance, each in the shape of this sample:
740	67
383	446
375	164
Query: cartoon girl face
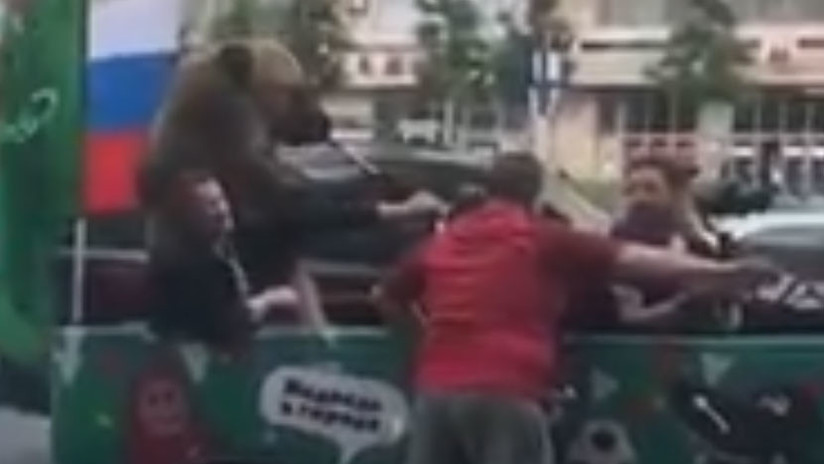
162	408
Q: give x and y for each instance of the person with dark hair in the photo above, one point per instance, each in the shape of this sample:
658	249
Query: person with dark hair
652	194
517	177
652	217
490	288
767	166
200	290
748	192
215	278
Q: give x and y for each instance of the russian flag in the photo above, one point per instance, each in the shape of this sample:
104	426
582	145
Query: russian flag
132	47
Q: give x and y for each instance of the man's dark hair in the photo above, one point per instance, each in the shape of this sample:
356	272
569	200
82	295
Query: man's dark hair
665	167
517	177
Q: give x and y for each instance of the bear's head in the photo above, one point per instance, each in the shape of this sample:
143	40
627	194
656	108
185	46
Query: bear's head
235	76
229	105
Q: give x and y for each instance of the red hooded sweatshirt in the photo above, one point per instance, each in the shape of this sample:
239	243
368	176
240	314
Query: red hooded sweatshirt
493	286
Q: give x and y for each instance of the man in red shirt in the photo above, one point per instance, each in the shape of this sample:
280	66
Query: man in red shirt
492	287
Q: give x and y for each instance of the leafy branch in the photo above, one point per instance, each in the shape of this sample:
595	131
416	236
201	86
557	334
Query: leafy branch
314	30
704	59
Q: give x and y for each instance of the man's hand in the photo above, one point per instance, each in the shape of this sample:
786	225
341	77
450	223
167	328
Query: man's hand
422	203
737	277
398	314
277	297
752	273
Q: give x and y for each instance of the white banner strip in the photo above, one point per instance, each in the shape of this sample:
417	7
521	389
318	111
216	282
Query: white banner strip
134	27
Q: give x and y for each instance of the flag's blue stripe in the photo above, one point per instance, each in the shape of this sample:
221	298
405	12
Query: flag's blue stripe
126	92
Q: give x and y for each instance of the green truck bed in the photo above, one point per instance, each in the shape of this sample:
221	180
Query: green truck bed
121	398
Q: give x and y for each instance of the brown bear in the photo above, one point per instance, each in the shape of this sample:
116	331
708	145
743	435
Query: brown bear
230	104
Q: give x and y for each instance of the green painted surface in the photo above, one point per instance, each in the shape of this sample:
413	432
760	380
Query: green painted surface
41	143
97	407
628	381
623	381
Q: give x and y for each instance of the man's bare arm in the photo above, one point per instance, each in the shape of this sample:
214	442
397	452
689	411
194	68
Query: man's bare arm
641	262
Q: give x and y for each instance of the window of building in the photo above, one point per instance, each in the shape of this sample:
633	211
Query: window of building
608	113
770	114
657	12
394	66
778	10
364	65
661	111
783	114
642	112
686	117
817	115
797	114
359	6
796	121
818	175
746	117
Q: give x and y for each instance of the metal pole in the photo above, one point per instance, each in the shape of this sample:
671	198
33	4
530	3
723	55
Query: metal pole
80	246
539	126
537	101
80	225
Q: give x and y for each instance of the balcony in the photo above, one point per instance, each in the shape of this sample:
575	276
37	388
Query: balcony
617	56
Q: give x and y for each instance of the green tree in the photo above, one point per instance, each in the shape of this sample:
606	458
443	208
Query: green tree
315	31
512	58
541	18
703	58
511	62
456	70
238	21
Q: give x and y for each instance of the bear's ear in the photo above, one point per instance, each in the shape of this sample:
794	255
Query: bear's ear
237	62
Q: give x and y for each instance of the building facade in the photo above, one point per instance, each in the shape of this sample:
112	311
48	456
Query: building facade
379	92
613	111
380	69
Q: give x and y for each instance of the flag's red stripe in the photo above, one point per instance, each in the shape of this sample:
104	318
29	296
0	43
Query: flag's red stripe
123	95
112	160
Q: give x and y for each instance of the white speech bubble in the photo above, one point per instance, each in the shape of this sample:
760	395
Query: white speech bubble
355	413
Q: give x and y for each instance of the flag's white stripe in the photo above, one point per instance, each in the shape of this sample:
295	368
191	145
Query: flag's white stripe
130	27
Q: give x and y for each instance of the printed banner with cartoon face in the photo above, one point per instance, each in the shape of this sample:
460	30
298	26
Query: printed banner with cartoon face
122	399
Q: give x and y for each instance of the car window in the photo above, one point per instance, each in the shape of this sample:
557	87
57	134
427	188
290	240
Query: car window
320	163
796	235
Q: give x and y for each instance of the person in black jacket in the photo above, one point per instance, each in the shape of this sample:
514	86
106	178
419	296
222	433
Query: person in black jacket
215	278
200	289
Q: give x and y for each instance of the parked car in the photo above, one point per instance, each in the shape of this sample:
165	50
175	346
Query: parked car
793	240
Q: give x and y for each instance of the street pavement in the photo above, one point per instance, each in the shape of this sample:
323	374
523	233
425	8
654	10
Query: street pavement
24	439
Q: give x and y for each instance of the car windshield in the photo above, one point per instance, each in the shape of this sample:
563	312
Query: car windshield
320	162
807	236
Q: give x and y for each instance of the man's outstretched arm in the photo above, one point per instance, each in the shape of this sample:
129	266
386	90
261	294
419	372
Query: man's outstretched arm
699	274
594	258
